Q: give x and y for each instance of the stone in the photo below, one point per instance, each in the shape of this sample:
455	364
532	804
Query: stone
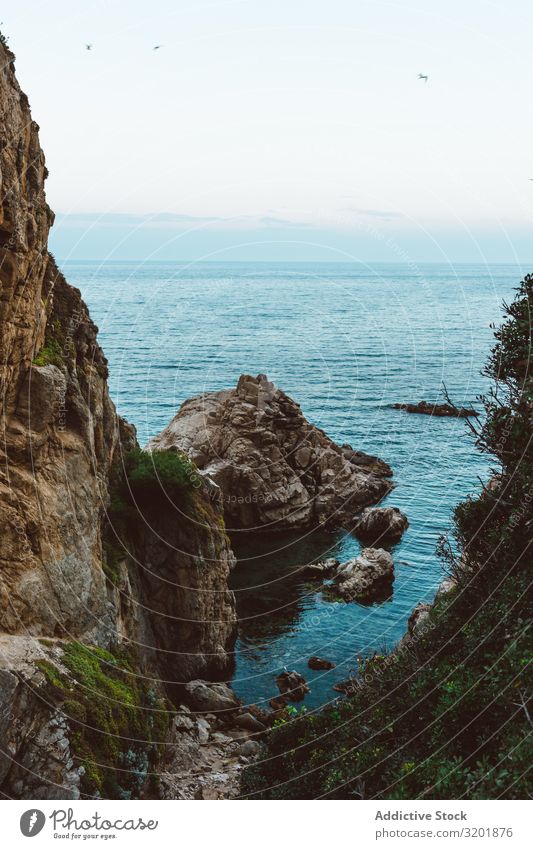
203	729
366	578
249	749
381	524
318	663
418	616
211	697
249	723
292	686
275	470
278	703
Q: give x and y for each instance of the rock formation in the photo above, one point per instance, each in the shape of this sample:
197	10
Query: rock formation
381	524
292	686
276	470
365	578
439	410
73	572
319	663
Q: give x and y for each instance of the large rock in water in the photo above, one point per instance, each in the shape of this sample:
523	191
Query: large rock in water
366	578
275	469
381	524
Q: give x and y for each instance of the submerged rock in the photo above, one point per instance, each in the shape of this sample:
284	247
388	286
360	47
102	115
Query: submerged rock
367	577
381	524
275	469
292	686
317	663
442	410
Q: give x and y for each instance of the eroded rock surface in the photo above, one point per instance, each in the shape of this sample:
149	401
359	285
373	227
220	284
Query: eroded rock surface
157	581
381	525
275	469
365	578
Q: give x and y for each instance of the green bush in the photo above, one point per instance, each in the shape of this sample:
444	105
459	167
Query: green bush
159	473
52	352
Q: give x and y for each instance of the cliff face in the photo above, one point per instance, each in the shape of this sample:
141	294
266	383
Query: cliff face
61	443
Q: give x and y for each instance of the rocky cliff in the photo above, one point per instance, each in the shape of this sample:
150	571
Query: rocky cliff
275	469
72	572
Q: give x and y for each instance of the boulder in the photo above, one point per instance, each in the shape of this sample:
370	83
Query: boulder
366	578
249	723
275	471
249	749
292	686
381	524
317	663
206	697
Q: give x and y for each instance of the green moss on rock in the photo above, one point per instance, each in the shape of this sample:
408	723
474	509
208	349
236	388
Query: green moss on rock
117	721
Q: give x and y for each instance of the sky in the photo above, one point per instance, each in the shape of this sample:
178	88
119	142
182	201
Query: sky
287	129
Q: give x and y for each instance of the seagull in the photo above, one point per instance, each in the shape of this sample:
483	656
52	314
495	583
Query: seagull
158	47
88	47
423	77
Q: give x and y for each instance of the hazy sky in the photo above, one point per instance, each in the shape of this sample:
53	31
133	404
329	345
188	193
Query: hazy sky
300	125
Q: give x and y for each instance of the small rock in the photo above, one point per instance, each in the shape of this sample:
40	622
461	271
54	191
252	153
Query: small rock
292	685
250	749
183	722
223	739
316	663
278	703
419	614
203	728
249	723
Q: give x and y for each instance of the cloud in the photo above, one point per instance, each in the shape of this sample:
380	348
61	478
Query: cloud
378	213
169	220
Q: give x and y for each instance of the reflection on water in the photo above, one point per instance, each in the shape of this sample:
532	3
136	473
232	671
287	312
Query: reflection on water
284	618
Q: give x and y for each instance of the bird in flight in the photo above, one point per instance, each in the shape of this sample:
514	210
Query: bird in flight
423	77
88	47
158	47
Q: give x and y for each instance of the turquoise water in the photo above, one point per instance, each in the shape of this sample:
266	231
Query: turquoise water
345	341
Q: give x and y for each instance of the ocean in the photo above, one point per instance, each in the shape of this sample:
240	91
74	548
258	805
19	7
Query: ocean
345	341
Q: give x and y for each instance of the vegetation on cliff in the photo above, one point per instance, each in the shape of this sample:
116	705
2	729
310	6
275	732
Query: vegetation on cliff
117	721
448	714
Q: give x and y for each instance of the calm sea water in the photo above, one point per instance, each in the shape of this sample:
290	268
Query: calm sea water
345	341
